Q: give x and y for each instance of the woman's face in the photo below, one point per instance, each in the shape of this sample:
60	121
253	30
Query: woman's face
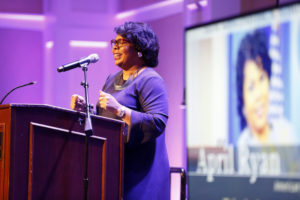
256	96
125	55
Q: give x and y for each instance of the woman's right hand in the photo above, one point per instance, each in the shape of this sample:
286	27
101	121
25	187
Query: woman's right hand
78	103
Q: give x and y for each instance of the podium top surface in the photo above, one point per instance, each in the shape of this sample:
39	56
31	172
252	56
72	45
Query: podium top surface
56	108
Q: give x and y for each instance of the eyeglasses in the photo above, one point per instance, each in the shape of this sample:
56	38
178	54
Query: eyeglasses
119	42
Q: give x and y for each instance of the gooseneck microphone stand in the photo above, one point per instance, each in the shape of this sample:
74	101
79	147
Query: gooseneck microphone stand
88	132
31	83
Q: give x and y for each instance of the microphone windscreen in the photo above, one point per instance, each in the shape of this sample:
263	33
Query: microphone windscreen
93	58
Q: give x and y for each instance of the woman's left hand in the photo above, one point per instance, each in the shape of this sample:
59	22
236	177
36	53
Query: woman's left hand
108	102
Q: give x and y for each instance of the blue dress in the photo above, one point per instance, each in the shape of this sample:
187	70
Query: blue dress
146	165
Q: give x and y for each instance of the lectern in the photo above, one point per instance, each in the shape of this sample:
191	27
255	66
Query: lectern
42	154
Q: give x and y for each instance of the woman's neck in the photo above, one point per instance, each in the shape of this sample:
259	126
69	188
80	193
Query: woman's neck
131	71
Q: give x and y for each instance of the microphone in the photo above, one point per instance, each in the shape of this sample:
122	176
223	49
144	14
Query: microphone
93	58
31	83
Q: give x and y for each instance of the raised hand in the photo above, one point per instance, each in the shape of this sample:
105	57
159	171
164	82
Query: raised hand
78	103
108	102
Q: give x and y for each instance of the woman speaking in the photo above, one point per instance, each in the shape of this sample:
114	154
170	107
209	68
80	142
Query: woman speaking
138	96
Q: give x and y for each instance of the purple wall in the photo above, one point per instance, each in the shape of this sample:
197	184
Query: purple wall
21	6
133	4
21	62
170	33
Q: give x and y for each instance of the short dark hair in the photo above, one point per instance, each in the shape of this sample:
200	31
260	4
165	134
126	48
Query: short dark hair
143	38
254	46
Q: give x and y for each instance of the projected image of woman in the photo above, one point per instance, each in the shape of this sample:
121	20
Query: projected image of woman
253	84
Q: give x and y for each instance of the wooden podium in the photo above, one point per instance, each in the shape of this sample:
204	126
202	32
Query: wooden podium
42	154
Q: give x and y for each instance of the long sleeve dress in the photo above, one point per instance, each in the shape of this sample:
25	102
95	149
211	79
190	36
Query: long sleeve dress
146	165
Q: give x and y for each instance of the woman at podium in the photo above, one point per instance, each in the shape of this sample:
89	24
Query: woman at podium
138	96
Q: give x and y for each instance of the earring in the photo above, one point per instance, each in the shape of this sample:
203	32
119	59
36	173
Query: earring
140	54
